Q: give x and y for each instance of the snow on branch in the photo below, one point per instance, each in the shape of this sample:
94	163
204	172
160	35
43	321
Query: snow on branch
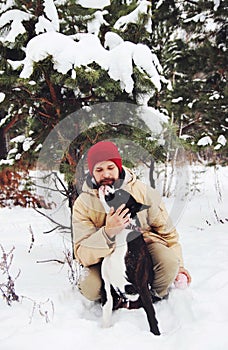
144	59
75	54
205	141
93	25
2	98
144	7
15	18
51	23
118	61
94	4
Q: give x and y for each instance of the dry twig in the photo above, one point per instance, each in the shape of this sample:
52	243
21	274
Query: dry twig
7	287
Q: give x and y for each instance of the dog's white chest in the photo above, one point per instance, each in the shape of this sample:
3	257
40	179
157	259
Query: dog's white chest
114	268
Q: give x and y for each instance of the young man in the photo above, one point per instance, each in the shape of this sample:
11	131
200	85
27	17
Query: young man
95	231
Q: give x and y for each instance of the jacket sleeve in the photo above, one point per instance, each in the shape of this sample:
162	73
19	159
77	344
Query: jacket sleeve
90	242
162	225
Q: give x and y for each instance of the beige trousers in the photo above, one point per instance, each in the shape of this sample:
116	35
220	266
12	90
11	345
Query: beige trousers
165	270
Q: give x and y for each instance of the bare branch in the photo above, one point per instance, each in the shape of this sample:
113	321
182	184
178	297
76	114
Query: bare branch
59	226
50	260
44	309
32	239
7	288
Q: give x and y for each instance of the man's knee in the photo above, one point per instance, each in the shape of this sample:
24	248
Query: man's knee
89	283
166	267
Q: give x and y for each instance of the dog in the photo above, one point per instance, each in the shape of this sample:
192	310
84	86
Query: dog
127	273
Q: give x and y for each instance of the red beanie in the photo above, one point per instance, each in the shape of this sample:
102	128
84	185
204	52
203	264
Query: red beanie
102	151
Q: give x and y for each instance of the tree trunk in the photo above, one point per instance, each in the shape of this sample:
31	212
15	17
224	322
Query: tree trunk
3	149
151	175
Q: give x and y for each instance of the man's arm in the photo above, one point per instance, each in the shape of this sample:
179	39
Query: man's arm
91	243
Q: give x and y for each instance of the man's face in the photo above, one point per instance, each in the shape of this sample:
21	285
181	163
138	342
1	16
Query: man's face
105	173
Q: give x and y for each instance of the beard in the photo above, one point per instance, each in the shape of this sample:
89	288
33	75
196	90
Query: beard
108	181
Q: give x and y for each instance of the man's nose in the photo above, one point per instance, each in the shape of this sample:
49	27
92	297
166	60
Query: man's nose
106	173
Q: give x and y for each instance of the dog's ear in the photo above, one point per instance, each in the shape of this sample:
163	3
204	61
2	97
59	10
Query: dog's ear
144	206
139	207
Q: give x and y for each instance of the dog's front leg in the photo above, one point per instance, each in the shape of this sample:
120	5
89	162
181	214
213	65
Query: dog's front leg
107	306
149	309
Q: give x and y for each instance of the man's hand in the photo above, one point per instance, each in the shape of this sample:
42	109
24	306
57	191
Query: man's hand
186	273
116	221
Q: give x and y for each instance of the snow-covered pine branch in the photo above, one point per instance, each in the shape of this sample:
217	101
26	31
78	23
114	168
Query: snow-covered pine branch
118	61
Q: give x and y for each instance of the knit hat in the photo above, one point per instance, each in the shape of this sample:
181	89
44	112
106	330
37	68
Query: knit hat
102	151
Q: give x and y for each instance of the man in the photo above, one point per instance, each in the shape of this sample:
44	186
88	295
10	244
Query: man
95	231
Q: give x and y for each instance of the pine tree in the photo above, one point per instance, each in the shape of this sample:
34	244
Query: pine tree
192	41
188	38
32	107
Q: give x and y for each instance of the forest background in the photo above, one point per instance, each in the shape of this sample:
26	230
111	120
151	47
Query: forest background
151	76
169	56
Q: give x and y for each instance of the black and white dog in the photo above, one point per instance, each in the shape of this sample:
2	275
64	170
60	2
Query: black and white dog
127	273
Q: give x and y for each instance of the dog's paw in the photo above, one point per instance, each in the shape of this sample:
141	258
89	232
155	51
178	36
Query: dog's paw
106	324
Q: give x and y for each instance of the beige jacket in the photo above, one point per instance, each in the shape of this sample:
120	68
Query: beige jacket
90	241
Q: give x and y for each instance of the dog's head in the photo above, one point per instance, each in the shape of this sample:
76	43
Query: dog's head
115	197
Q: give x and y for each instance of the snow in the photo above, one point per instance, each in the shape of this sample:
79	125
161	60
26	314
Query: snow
18	156
148	62
112	40
197	18
208	24
190	104
216	4
154	119
177	100
204	141
118	61
53	315
51	23
51	12
2	97
185	137
143	8
16	17
8	4
159	3
75	53
19	138
12	150
222	140
93	26
215	96
6	162
99	4
179	34
28	142
38	147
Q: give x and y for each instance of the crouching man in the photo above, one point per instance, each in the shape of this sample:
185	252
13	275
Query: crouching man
95	231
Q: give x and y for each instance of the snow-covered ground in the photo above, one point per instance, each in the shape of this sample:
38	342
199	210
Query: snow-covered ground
51	314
